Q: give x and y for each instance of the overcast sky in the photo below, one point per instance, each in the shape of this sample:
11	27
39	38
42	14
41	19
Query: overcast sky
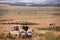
30	1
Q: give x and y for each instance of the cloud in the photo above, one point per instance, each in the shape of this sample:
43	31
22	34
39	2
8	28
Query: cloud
24	0
34	1
39	1
30	1
2	0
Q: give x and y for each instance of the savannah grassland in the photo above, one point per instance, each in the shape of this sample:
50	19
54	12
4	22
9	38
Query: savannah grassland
42	15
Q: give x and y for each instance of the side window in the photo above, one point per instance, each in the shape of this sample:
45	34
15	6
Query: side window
16	28
25	28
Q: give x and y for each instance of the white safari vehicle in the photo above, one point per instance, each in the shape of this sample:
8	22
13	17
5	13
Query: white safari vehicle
23	30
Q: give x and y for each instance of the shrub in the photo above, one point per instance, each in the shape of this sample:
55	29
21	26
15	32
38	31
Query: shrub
50	36
57	38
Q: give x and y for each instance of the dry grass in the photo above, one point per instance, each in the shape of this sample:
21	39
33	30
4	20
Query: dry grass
13	12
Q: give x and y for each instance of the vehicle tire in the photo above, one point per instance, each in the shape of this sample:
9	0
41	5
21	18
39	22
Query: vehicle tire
29	33
22	32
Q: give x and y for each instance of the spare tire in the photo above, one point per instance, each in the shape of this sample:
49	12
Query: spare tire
29	32
22	32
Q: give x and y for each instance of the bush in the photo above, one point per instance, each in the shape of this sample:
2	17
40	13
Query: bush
50	36
2	36
57	38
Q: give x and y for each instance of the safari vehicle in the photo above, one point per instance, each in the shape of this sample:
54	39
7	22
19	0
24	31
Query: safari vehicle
23	29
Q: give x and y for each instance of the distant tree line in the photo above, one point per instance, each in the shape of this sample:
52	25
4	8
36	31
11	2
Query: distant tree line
54	14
